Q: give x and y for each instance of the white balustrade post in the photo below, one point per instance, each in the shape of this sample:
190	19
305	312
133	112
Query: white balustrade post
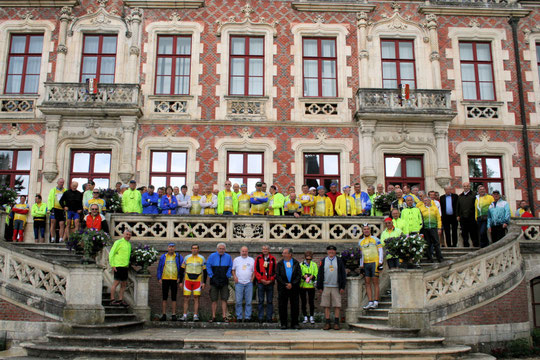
50	169
408	299
367	130
443	164
356	294
140	297
129	125
61	51
84	295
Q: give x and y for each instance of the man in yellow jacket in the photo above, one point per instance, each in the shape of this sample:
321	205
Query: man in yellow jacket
119	261
345	204
432	228
481	211
56	210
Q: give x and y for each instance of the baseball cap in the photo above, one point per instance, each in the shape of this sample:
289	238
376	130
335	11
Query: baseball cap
258	183
387	219
132	182
312	188
331	247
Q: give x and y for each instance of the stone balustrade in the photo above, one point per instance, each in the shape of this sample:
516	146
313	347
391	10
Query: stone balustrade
530	228
162	228
18	105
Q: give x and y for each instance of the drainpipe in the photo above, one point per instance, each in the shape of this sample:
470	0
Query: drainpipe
513	21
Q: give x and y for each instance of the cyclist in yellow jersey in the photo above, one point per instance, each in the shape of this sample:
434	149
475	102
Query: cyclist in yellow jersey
57	212
226	200
371	262
196	208
292	207
481	211
209	201
243	203
259	200
95	199
307	201
345	204
169	275
194	266
323	204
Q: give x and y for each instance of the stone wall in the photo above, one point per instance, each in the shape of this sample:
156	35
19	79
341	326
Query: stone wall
12	312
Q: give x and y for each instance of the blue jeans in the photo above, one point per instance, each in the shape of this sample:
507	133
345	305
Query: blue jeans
244	292
269	291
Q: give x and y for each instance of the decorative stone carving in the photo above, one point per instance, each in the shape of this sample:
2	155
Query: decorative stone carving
27	16
102	3
247	21
246	133
319	19
397	22
531	31
434	56
134	50
66	13
474	23
14	105
100	17
62	49
363	54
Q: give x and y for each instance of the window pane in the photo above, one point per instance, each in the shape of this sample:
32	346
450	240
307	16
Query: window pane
158	181
89	65
328	69
392	166
109	45
493	168
16	65
33	64
406	70
101	183
389	84
178	162
484	72
389	70
388	50
254	163
91	44
177	181
80	182
327	182
408	82
256	46
486	91
159	161
310	47
312	182
163	85
467	72
237	86
182	66
25	183
251	184
106	79
328	48
414	167
492	186
5	179
102	163
234	180
331	164
31	84
165	45
237	67
107	65
81	162
310	68
18	44
329	87
483	52
36	45
406	50
475	168
311	164
255	86
466	51
24	159
182	85
469	90
311	87
6	160
538	52
164	66
236	163
183	45
238	46
255	67
13	84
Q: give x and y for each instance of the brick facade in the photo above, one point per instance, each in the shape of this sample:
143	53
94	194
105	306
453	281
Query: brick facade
11	312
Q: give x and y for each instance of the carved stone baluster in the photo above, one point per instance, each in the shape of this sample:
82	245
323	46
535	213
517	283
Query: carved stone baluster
367	129
50	169
65	18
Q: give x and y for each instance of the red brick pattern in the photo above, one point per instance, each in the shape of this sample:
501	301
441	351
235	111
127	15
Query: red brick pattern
11	312
511	308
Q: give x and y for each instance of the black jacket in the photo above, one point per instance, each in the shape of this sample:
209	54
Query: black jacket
342	274
465	205
72	199
281	275
454	198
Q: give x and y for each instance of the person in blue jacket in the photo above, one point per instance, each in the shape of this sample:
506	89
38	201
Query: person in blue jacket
150	201
219	268
361	201
168	202
170	274
498	217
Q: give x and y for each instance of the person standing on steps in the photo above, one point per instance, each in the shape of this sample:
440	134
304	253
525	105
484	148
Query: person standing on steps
466	216
265	273
72	202
288	275
119	261
39	214
332	280
169	275
432	228
498	217
481	205
20	215
57	213
371	263
243	274
219	267
307	286
449	216
194	266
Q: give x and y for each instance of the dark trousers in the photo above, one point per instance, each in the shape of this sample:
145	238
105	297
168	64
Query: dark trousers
432	238
482	231
497	233
285	297
450	226
469	228
268	292
307	294
39	228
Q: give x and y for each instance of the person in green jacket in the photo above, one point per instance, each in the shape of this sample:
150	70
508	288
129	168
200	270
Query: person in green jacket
398	222
227	200
132	199
412	216
119	261
310	270
276	201
390	232
39	213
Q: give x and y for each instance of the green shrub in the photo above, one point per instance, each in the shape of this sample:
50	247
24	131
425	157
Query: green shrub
519	348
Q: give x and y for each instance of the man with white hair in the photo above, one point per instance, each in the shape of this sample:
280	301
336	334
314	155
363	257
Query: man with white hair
219	268
243	273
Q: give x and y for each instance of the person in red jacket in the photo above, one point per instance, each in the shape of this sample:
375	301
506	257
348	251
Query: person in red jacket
333	194
95	220
265	273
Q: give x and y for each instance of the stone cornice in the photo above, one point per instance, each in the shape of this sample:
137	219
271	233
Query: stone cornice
473	11
38	3
331	6
165	4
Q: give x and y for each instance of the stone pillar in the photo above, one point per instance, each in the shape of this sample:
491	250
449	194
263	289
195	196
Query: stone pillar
133	72
129	124
363	54
50	168
434	55
355	298
140	297
440	129
367	129
61	50
407	300
84	295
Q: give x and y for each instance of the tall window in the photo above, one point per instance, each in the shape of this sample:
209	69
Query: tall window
168	168
487	171
320	67
538	59
404	170
92	165
99	58
247	66
15	169
245	168
321	169
173	65
24	63
398	63
476	70
535	292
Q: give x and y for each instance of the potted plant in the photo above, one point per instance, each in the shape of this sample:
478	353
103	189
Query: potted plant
408	248
144	256
383	203
113	201
351	259
90	242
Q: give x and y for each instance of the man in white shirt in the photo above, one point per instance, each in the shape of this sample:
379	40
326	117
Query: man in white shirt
243	274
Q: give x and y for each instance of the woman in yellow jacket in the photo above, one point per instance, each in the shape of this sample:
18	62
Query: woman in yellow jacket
323	204
345	204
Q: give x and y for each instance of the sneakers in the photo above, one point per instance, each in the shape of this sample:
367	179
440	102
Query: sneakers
195	317
51	240
305	320
375	305
311	320
184	317
61	240
368	306
163	318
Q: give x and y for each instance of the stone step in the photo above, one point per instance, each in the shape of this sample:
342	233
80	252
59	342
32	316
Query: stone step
116	310
376	320
384	330
63	257
111	328
385	304
377	312
116	318
126	341
253	325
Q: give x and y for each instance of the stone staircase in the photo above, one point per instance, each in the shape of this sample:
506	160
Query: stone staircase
58	252
449	253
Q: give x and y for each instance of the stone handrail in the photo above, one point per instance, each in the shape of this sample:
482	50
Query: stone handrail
387	100
530	228
421	298
243	228
62	292
77	93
